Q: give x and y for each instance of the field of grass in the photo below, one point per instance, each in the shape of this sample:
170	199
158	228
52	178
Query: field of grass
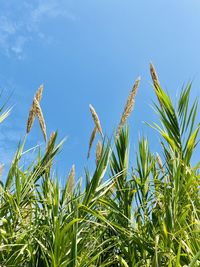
120	215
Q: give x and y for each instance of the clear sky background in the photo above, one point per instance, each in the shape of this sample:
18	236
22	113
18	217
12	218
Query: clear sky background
91	52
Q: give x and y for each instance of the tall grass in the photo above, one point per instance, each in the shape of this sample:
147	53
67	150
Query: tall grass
141	215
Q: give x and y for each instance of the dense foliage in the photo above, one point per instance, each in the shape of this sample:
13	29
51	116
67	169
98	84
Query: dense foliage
121	215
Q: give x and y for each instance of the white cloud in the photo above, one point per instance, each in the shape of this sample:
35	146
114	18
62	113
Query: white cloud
7	26
19	45
51	9
21	24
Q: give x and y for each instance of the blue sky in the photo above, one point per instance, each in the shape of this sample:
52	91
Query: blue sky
91	52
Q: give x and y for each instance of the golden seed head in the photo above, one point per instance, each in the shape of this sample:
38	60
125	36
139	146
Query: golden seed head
32	111
129	106
38	94
71	178
154	75
96	119
31	118
40	118
98	152
159	161
51	139
92	137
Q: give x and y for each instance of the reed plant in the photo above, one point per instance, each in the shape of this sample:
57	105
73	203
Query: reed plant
139	215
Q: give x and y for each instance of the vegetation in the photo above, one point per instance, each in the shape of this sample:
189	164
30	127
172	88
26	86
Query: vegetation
122	215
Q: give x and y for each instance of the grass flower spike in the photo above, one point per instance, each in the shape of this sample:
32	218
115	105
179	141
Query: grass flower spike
129	106
96	119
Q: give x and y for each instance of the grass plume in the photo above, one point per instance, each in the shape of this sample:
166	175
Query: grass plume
159	161
129	106
39	92
31	117
92	137
96	119
154	75
70	180
51	139
40	118
36	110
98	152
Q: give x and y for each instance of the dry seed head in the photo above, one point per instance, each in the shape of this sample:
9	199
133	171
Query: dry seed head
154	75
48	147
71	179
92	137
31	118
40	118
129	106
155	79
98	152
38	94
159	161
96	119
51	139
32	111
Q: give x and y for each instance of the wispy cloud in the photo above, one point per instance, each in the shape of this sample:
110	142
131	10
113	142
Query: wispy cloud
50	9
21	23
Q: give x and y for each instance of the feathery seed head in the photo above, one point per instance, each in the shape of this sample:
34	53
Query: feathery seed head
51	139
32	111
31	118
98	152
92	137
154	75
40	118
96	119
71	179
129	106
38	94
156	82
159	161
